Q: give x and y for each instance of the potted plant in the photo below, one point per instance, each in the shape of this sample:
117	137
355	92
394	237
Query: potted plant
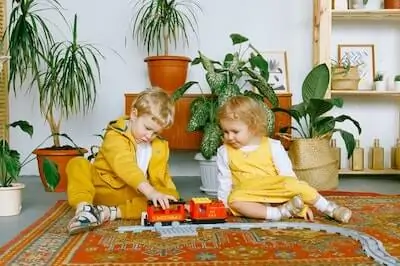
397	83
67	86
156	25
310	152
379	82
10	167
240	73
345	75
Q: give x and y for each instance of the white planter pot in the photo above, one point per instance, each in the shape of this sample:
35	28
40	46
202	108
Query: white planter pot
208	174
357	4
374	4
11	200
397	85
380	85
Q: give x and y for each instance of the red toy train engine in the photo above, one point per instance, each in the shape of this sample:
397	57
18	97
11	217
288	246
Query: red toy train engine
198	210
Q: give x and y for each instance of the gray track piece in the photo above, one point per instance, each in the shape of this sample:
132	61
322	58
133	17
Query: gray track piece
372	247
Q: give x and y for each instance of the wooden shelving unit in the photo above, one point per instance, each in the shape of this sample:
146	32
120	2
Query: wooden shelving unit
365	93
355	14
370	172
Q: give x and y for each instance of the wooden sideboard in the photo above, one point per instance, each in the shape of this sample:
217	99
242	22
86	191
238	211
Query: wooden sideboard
180	139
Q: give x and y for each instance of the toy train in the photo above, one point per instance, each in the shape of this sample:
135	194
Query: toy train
198	211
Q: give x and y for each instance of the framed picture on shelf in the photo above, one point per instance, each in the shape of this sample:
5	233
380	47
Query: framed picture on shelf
278	70
363	56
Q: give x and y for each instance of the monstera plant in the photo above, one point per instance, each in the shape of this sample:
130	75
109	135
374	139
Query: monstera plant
240	73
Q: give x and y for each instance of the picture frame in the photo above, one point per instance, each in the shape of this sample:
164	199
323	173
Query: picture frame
363	56
278	70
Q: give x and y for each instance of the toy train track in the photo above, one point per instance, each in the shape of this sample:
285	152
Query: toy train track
372	247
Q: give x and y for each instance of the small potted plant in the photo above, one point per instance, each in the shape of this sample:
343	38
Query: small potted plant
345	75
379	82
10	167
239	74
157	24
397	83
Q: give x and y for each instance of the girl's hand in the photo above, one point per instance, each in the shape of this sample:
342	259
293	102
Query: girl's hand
309	215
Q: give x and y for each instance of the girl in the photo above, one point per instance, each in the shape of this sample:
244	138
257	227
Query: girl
130	168
254	170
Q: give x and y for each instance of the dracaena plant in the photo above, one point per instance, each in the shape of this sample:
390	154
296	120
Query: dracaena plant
159	23
312	120
242	72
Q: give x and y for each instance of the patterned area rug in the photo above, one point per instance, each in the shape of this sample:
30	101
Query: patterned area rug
47	243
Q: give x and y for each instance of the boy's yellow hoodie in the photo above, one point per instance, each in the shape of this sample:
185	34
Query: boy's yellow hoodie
116	164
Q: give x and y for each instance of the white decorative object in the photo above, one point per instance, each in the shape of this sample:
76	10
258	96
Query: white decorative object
397	85
374	4
11	199
380	85
340	4
208	174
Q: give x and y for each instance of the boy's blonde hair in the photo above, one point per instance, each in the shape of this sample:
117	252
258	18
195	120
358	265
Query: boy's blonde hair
158	104
247	110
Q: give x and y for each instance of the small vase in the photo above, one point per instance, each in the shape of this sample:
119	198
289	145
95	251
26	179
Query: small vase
380	85
374	4
397	85
357	4
340	5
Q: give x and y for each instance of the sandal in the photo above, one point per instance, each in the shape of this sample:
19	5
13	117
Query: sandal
293	207
84	220
339	213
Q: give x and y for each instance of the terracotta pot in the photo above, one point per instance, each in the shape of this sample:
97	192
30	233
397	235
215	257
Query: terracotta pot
61	157
167	72
392	4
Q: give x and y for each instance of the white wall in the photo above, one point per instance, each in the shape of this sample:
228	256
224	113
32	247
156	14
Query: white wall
269	24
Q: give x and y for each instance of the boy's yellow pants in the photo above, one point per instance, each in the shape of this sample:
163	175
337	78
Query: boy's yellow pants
85	185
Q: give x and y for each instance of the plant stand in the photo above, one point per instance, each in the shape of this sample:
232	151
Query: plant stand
11	199
208	174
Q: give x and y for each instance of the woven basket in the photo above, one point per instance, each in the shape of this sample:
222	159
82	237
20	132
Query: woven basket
314	162
343	79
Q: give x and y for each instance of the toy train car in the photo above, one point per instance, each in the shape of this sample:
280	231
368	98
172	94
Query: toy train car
198	210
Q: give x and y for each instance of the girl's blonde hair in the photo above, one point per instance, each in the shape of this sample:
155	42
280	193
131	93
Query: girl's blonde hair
247	110
158	104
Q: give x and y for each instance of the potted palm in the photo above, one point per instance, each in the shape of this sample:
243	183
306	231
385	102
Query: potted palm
156	25
239	74
310	152
67	86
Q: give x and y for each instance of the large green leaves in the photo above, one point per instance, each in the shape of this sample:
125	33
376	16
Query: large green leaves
316	83
178	93
10	165
51	174
211	140
24	126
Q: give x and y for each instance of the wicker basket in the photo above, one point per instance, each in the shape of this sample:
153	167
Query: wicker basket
343	79
314	162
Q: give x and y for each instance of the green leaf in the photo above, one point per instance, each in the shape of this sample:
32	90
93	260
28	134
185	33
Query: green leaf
212	139
232	89
316	83
207	63
349	141
266	90
258	61
200	114
178	93
216	81
237	38
24	126
270	119
51	174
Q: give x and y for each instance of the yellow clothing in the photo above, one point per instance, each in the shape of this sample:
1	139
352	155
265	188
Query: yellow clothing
114	176
255	178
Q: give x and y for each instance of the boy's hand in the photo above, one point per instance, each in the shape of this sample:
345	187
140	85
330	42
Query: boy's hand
161	198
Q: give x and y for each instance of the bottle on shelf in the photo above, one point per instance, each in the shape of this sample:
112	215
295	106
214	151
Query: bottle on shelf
376	156
357	159
395	155
337	152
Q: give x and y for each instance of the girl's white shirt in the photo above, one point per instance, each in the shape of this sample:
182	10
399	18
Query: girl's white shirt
143	155
280	159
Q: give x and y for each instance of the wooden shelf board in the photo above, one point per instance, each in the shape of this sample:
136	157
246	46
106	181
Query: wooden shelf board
382	14
366	93
366	171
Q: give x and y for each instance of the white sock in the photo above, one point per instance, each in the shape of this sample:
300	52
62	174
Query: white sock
321	204
108	213
273	213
